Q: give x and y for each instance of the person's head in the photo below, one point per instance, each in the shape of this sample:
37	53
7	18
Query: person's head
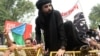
44	6
29	42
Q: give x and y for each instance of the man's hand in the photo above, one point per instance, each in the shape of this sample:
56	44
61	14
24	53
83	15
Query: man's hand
12	47
60	52
93	43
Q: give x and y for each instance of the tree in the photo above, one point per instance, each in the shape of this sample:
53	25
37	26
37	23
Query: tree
14	10
95	16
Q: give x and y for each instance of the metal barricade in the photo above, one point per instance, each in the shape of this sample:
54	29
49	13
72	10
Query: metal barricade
31	52
27	51
78	53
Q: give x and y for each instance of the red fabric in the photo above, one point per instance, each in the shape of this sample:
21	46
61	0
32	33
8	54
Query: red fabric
28	31
67	13
10	24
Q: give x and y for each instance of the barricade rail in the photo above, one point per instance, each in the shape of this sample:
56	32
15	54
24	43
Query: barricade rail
78	53
26	51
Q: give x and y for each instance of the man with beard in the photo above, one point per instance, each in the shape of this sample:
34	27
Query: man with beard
51	23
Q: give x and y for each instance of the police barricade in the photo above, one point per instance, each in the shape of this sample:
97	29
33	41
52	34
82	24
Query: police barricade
27	51
78	53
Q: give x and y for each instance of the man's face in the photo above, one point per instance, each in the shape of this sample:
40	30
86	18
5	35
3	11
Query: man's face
47	8
28	43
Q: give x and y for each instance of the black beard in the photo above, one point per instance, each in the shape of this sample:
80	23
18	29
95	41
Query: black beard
49	12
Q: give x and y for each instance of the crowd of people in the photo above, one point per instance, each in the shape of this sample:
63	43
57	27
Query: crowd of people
12	45
58	36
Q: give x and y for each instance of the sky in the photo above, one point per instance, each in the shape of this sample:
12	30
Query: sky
65	5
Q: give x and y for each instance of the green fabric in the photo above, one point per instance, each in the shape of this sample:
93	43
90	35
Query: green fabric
18	39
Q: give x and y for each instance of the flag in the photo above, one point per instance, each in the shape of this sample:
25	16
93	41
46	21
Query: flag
19	29
18	33
28	31
10	24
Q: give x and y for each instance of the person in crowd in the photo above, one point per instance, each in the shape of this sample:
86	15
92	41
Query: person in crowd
50	23
74	41
12	45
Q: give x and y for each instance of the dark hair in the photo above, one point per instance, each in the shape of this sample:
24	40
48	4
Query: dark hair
40	3
29	39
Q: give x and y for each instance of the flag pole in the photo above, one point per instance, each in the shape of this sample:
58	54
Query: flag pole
78	1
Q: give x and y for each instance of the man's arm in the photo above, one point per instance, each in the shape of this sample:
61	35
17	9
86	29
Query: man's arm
9	42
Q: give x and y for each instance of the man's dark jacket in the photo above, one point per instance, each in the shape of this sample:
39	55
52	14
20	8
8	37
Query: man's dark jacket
53	30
